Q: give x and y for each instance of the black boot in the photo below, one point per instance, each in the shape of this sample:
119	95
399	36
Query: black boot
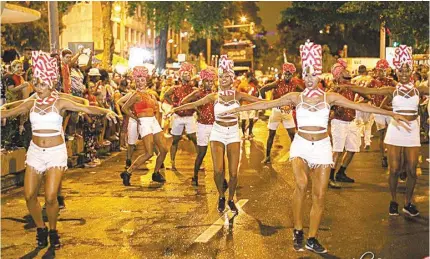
195	180
42	237
61	204
54	239
157	177
125	178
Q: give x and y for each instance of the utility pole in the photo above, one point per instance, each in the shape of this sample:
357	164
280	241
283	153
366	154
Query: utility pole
382	41
54	35
208	51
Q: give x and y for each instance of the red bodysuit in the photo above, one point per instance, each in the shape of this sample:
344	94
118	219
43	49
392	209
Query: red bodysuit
206	111
342	113
179	94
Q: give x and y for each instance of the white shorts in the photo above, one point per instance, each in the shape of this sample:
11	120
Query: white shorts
398	136
246	115
43	159
225	135
279	116
178	124
346	136
148	125
315	154
132	134
381	121
203	134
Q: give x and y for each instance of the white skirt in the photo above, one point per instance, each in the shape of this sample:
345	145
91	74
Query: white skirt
314	153
225	135
399	136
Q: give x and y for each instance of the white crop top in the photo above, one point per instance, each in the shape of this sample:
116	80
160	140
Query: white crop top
316	118
222	106
406	102
46	120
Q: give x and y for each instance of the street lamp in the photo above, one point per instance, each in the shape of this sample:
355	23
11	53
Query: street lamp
243	18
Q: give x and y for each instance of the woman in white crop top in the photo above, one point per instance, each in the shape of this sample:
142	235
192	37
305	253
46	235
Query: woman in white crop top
311	149
47	153
405	100
225	131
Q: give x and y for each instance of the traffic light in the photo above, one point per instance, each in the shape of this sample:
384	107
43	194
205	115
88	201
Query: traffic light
252	28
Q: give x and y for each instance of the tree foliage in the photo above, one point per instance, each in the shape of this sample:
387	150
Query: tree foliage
34	34
408	22
355	24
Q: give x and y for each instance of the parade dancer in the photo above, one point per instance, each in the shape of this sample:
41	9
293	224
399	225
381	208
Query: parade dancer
364	120
399	141
381	121
280	88
184	118
47	154
248	87
344	130
205	119
225	136
145	106
311	151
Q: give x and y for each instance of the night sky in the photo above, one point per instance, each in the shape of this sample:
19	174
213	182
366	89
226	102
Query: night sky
270	13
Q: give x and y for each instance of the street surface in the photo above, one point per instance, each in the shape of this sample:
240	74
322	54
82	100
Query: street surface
104	219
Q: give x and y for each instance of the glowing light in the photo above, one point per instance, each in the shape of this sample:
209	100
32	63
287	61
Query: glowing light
170	41
117	8
149	32
321	31
121	69
243	19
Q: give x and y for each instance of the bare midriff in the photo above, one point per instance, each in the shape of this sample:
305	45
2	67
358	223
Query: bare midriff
226	124
148	113
313	137
411	117
47	142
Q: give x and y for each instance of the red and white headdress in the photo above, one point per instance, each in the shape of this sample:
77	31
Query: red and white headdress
311	55
208	74
338	68
186	67
45	67
382	64
288	67
140	71
402	55
225	66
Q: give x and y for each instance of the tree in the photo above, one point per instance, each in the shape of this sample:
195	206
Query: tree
322	23
408	22
34	34
165	15
108	44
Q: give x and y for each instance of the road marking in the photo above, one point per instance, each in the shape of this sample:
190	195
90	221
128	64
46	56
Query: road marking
217	225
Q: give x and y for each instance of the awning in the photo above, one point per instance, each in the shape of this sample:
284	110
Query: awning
11	13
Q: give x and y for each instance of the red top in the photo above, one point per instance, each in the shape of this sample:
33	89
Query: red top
92	99
342	113
67	82
147	104
179	94
206	111
283	88
378	83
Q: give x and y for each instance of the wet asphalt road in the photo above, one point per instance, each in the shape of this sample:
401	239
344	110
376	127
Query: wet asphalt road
104	219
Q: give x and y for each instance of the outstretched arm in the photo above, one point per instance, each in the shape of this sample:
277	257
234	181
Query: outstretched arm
337	99
246	97
75	99
285	100
22	108
365	91
267	88
191	97
208	98
69	105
